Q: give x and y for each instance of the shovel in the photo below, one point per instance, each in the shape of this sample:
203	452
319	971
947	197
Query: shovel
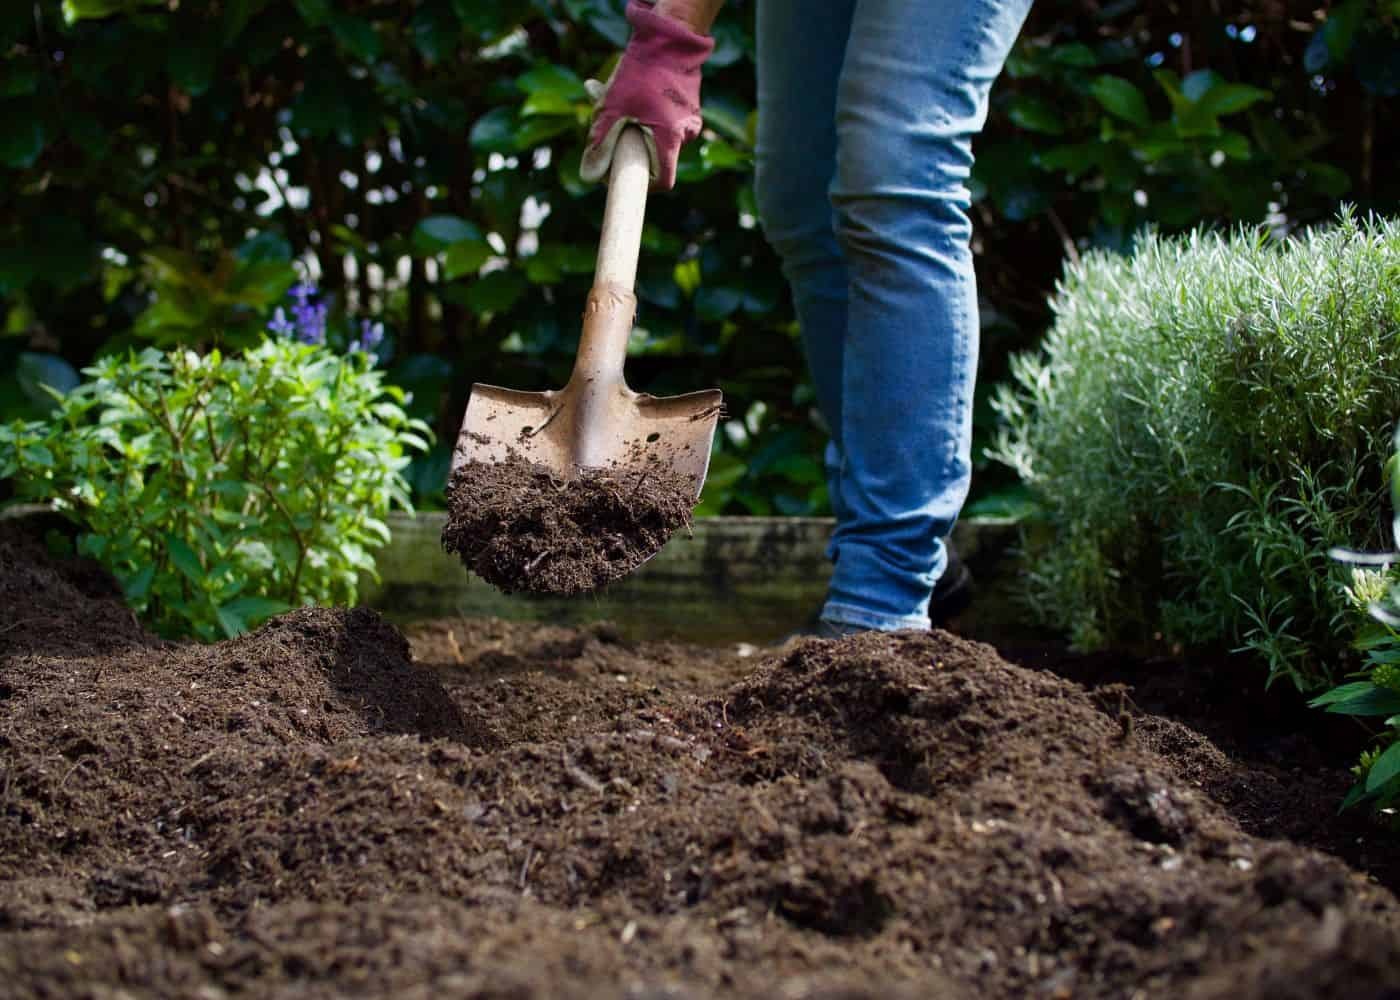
596	421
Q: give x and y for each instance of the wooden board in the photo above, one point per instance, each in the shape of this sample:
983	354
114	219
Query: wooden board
731	580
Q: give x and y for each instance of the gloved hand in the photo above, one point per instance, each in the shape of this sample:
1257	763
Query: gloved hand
656	85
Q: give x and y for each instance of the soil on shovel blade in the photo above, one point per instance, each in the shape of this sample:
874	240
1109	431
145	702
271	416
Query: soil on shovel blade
320	809
521	528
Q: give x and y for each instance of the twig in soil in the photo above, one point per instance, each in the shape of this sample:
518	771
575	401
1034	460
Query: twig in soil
198	761
14	625
456	647
525	868
658	739
530	566
640	480
582	777
76	764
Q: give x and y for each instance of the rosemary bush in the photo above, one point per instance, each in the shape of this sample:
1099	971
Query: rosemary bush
220	491
1207	417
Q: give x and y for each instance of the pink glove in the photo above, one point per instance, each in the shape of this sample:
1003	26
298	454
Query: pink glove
656	85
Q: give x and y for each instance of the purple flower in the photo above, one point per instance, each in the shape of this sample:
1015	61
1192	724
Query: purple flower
280	325
311	322
371	335
302	292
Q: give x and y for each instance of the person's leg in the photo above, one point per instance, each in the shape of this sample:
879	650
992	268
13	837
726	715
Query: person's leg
800	51
913	92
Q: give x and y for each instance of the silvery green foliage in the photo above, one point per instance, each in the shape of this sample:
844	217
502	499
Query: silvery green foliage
222	490
1206	419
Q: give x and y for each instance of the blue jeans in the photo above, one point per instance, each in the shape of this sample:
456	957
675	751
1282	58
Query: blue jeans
867	109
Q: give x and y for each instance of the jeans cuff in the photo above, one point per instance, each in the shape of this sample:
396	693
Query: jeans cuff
845	614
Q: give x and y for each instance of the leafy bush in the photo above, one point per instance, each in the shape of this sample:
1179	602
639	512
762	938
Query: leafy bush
220	491
1375	590
1208	417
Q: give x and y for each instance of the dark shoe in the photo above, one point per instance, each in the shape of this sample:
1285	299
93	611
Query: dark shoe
953	591
951	596
819	628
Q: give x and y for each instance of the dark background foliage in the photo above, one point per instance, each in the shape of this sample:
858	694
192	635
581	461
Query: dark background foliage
420	157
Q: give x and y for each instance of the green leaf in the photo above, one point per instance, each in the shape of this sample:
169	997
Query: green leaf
1357	794
1375	701
138	586
192	64
714	303
37	454
1122	98
42	375
1035	115
241	614
1229	98
266	245
82	10
1341	692
236	15
534	132
545	103
494	132
22	134
465	258
263	283
556	81
313	12
357	35
1234	145
495	292
1075	54
717	154
184	559
439	232
1074	159
436	32
1384	770
729	117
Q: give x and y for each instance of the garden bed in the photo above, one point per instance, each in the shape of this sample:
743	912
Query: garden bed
505	809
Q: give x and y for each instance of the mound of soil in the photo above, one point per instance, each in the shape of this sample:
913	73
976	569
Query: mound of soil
521	528
548	812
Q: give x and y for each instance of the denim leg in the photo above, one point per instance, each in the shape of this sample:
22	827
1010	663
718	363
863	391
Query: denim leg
912	93
800	49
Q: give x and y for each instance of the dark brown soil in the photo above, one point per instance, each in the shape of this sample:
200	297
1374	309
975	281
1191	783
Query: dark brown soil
321	810
521	528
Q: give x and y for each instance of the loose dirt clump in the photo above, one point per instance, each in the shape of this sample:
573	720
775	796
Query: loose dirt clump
521	528
547	812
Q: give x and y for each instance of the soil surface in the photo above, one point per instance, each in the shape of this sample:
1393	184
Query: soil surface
323	808
522	528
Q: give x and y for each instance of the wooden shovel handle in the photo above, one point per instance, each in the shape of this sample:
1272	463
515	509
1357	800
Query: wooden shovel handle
621	242
607	321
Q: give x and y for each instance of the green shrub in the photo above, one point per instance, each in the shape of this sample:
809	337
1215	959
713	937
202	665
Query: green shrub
1375	591
220	491
1208	417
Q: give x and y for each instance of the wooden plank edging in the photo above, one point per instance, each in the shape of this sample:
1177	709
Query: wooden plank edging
731	579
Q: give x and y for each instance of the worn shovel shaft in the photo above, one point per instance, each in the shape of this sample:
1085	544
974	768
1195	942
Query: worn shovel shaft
621	242
602	401
612	306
